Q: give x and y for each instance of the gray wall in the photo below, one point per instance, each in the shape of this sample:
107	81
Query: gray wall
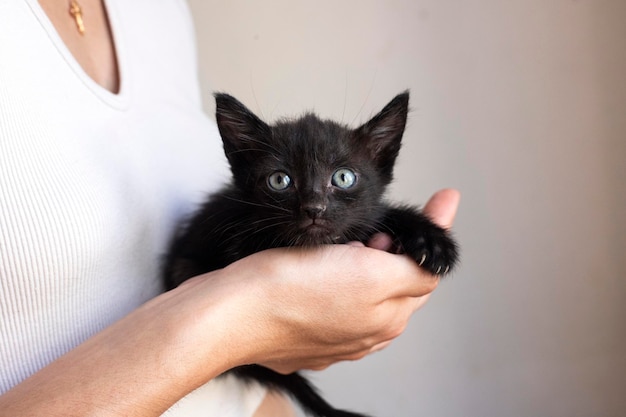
522	106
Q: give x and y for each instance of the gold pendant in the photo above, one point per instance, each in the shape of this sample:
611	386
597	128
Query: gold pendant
77	14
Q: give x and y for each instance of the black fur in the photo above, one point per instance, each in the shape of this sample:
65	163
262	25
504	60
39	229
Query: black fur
304	182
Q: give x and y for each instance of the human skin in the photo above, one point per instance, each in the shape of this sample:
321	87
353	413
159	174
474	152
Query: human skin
287	309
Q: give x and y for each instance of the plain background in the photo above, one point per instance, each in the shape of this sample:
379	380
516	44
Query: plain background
521	105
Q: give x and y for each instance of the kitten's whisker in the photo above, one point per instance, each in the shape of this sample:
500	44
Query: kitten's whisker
345	99
366	98
267	151
255	97
253	229
251	203
225	227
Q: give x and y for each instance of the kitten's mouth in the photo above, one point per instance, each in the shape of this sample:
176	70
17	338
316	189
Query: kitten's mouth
316	226
318	231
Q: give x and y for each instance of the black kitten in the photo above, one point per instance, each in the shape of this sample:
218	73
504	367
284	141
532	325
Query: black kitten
304	182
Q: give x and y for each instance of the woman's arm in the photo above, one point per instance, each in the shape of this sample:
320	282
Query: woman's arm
287	309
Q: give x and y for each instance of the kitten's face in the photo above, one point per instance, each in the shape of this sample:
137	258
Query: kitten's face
310	181
314	183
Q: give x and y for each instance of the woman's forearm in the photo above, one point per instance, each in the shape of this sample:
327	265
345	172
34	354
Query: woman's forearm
138	366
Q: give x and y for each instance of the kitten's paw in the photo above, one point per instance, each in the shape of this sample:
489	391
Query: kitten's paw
434	251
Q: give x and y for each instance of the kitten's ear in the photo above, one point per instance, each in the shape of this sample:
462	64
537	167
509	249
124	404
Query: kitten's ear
241	130
382	135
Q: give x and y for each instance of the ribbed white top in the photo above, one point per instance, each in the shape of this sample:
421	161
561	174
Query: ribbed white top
92	183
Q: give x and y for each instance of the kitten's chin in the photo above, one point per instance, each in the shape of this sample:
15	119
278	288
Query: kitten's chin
317	232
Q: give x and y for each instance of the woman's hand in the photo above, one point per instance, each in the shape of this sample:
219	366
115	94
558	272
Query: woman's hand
304	308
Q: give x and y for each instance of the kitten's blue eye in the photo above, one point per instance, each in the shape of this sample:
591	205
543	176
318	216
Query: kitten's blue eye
344	178
279	181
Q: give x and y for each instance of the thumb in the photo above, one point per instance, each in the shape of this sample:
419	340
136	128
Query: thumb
442	207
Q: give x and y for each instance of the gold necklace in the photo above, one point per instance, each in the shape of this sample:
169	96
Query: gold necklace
77	13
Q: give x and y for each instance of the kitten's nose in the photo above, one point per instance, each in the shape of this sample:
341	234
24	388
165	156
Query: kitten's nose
314	210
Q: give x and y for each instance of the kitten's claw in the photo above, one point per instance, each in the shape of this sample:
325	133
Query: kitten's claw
433	250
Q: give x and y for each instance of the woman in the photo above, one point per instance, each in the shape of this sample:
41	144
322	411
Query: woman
103	149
